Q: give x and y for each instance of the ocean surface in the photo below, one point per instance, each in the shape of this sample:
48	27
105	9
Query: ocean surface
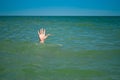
79	48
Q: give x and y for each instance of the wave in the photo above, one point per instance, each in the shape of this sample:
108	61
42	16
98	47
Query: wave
46	60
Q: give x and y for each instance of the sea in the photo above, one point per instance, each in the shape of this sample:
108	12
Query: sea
79	48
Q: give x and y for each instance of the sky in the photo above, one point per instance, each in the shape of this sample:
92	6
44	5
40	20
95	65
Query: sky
60	7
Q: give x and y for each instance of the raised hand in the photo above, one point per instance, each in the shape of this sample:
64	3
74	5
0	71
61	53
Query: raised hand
42	35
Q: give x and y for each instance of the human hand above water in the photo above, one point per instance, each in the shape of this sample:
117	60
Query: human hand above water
42	35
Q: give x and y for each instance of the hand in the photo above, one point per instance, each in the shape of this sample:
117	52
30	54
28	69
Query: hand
42	35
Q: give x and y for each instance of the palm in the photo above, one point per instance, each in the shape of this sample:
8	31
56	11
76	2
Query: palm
42	35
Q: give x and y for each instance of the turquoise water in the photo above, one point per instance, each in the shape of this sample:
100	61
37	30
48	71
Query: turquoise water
79	48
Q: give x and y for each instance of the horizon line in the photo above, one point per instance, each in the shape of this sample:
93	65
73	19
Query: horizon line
59	15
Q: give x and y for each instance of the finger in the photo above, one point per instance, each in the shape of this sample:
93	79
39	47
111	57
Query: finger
44	31
41	30
48	34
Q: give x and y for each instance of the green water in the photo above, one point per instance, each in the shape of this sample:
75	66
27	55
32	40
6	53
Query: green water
80	48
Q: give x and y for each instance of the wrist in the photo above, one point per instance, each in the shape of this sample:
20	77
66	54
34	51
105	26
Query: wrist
42	41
